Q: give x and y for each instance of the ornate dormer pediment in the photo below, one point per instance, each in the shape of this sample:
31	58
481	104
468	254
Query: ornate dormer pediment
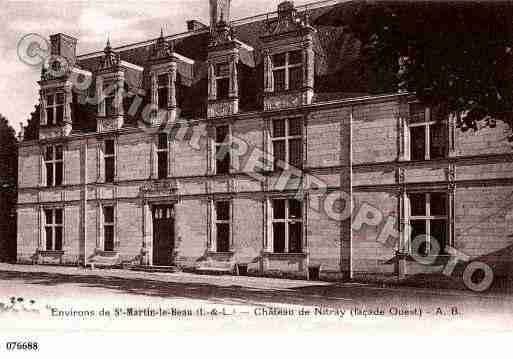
110	61
288	21
223	34
161	50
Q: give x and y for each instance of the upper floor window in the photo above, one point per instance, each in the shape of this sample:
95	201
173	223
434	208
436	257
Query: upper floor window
287	70
222	226
54	165
109	98
428	219
427	135
109	157
162	155
53	229
222	73
163	90
55	109
287	142
222	149
108	228
287	224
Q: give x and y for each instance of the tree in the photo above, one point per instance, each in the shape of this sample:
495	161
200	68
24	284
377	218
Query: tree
8	182
31	131
454	54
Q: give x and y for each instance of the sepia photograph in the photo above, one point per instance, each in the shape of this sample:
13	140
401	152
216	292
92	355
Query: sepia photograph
294	177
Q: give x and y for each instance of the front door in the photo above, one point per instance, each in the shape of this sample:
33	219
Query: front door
163	235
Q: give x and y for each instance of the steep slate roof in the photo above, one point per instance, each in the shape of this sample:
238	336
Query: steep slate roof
338	67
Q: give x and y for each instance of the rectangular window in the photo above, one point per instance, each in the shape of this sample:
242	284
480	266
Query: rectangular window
163	91
53	229
287	143
222	73
428	220
162	155
55	109
109	157
428	136
109	98
287	226
222	149
54	165
287	71
108	228
222	226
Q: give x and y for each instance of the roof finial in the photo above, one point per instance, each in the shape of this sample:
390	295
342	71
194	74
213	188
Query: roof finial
107	46
161	32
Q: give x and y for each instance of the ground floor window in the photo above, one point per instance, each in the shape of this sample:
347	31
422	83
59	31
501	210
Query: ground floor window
287	225
53	229
108	228
429	222
222	226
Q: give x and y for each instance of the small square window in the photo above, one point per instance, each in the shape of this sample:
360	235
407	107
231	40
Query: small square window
223	70
295	57
223	88
279	60
418	204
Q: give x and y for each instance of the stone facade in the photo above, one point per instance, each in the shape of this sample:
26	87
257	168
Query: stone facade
346	153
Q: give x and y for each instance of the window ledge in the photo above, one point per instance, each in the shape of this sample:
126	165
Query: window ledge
51	252
284	255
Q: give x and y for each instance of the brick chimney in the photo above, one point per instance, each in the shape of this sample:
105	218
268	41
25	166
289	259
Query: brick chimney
65	46
193	25
219	10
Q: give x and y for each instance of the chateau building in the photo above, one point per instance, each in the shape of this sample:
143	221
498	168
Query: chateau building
251	145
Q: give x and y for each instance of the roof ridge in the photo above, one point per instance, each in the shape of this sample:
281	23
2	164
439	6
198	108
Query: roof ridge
238	22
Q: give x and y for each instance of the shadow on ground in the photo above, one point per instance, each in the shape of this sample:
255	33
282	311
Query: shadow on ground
329	295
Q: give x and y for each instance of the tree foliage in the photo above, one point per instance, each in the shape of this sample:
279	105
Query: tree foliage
8	181
454	54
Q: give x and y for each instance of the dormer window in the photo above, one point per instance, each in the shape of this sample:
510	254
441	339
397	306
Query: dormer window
163	91
55	109
287	68
222	73
109	93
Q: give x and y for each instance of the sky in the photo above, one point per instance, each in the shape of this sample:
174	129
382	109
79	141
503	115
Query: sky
91	22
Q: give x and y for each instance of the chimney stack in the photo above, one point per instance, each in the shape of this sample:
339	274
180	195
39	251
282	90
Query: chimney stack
65	46
193	25
219	10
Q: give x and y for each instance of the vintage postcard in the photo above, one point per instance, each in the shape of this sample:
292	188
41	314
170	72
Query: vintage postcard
292	171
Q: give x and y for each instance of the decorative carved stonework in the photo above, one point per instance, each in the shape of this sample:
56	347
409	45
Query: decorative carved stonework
400	175
288	21
220	108
451	173
159	187
110	61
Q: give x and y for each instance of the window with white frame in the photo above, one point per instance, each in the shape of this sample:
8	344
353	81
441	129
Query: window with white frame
287	225
287	142
222	78
53	228
54	165
162	155
109	99
428	218
222	149
427	133
222	218
55	109
287	68
108	228
109	159
163	91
